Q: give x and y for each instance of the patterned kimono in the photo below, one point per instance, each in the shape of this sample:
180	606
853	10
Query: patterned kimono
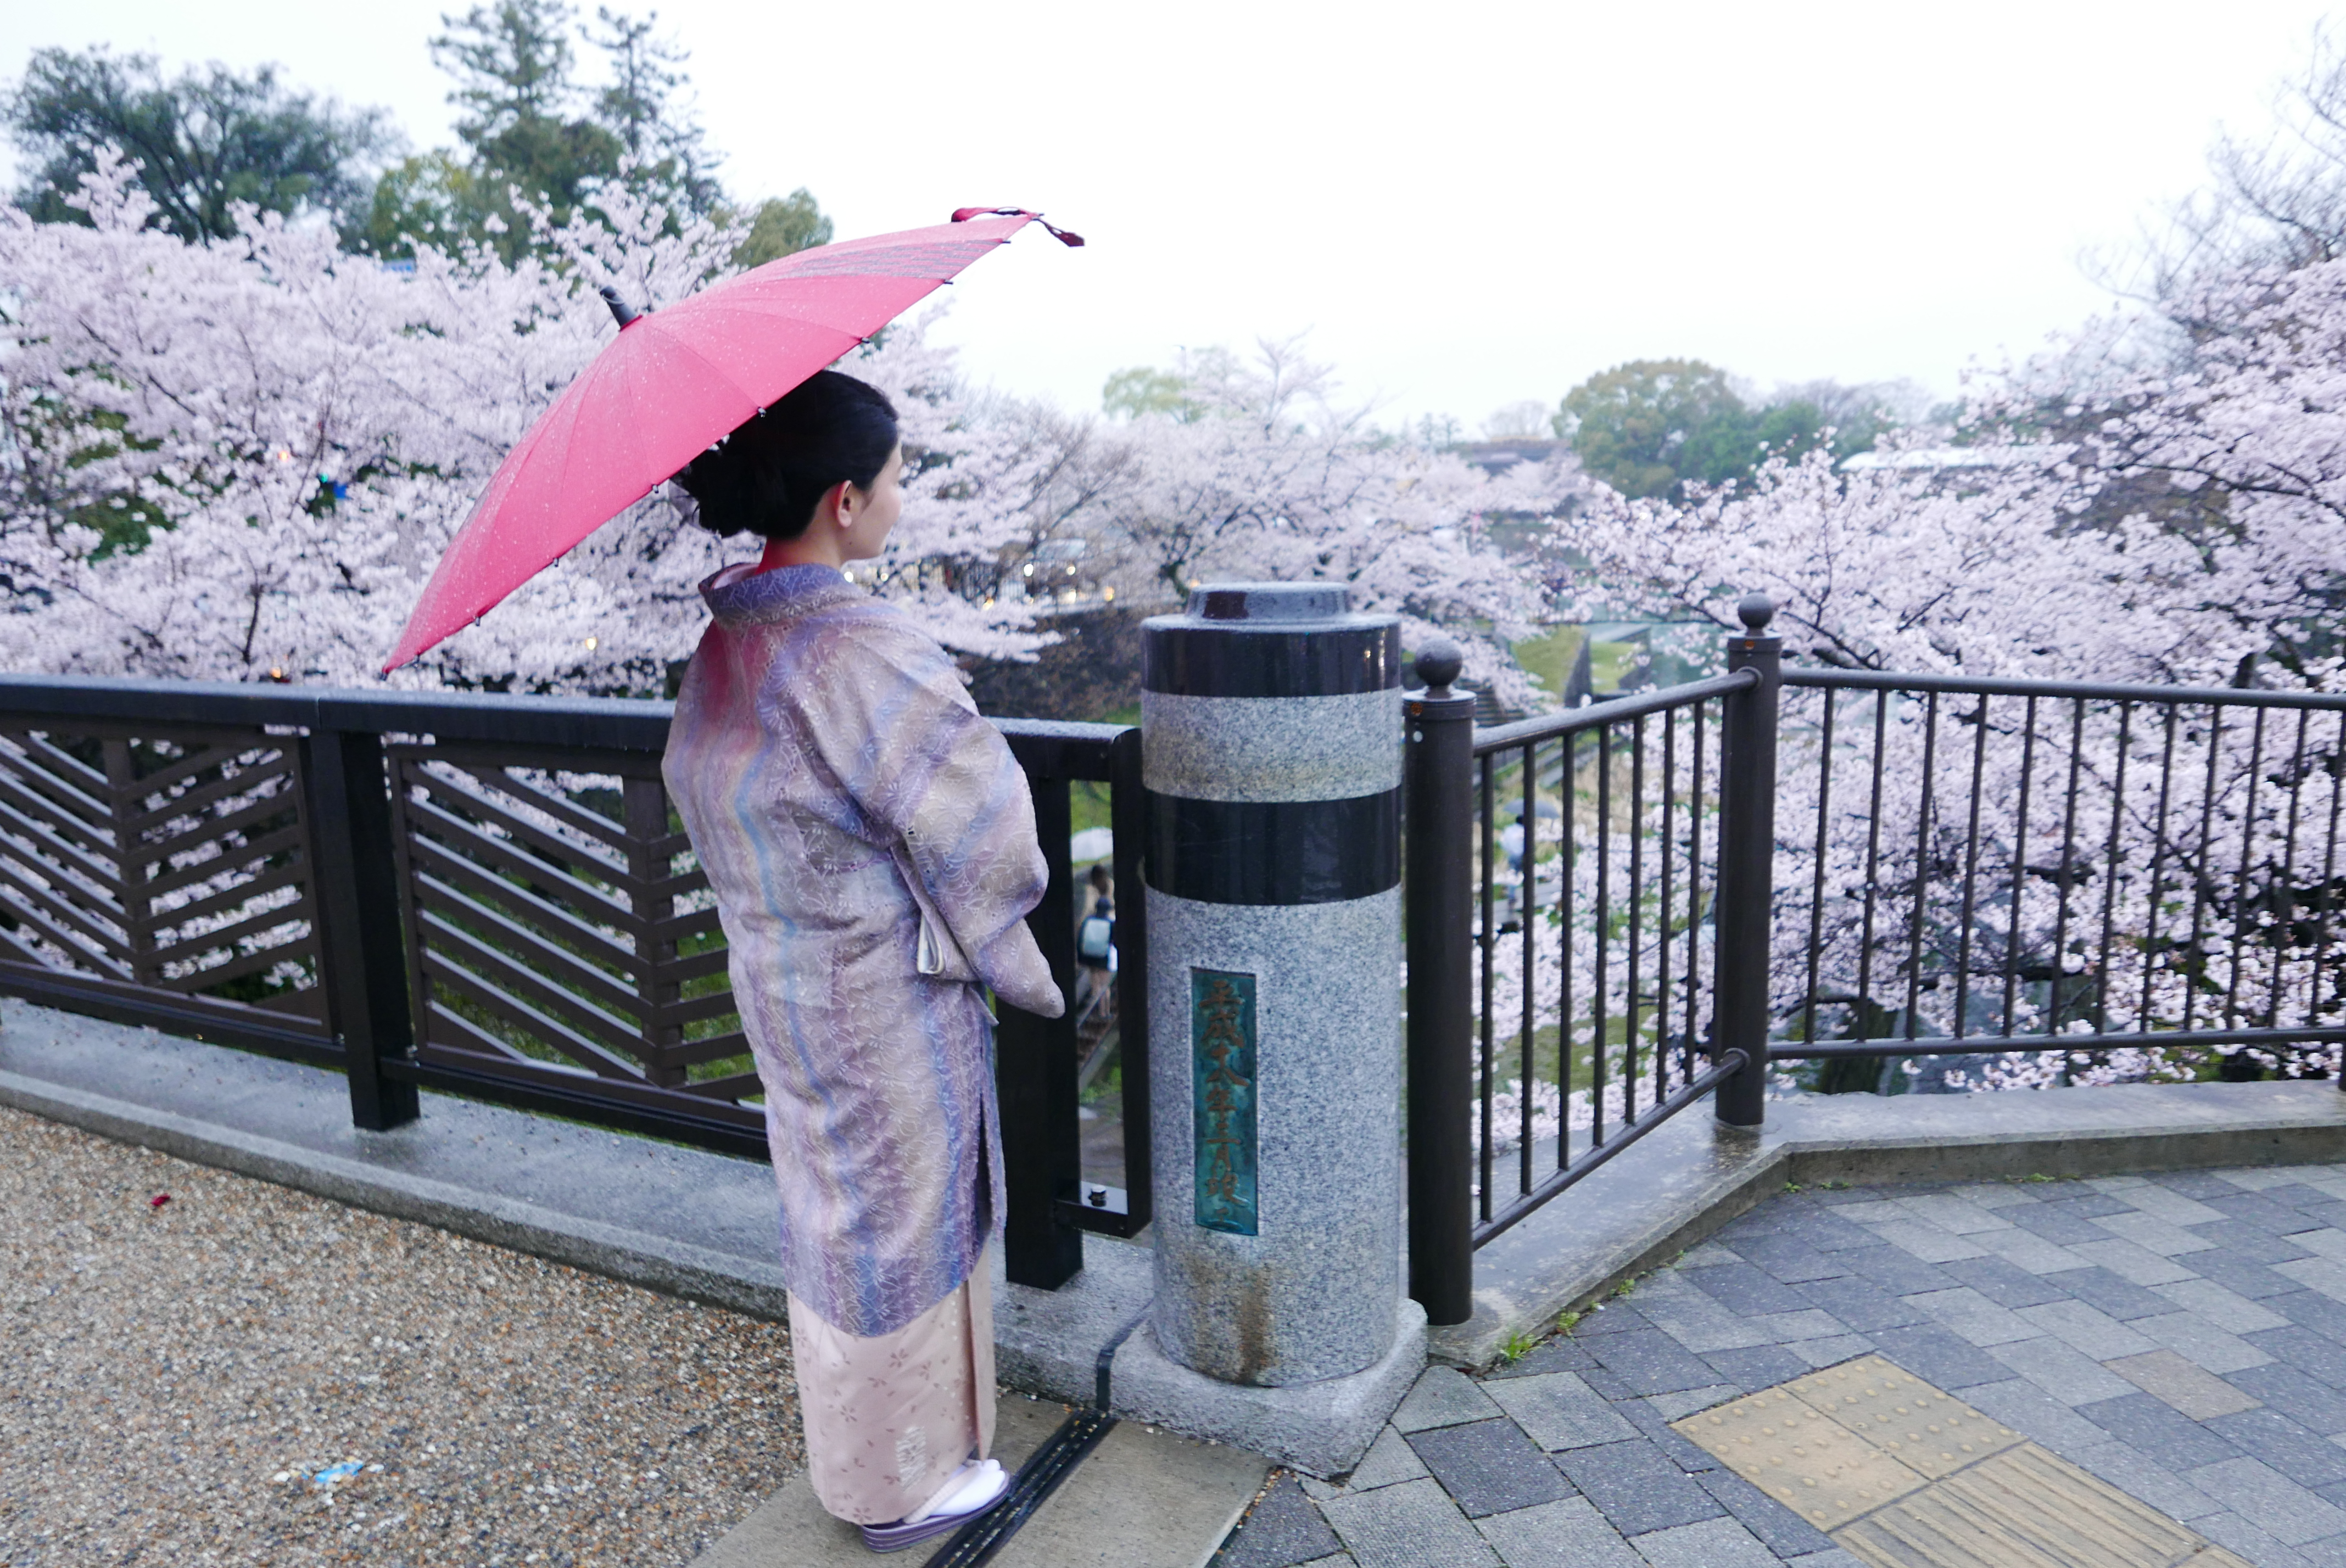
868	838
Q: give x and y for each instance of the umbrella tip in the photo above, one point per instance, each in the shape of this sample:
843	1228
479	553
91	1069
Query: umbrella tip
621	311
1065	236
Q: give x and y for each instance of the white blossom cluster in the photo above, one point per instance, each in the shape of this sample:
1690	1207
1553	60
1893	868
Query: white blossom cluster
2050	867
298	433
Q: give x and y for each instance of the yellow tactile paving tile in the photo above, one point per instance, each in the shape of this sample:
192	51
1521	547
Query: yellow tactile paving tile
1901	1474
2022	1508
1802	1458
1903	1416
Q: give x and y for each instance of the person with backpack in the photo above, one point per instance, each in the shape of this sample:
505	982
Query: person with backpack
1096	954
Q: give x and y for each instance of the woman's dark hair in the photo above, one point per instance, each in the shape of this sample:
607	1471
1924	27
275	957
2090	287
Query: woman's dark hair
766	477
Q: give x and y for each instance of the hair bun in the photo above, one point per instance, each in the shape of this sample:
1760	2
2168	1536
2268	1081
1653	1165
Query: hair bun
719	487
768	473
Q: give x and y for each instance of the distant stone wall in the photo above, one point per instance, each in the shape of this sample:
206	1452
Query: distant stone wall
1093	671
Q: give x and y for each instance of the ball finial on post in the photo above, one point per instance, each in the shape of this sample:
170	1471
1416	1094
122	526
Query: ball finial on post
1756	611
1438	664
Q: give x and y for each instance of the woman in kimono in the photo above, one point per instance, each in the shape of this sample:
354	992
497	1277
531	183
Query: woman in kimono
870	843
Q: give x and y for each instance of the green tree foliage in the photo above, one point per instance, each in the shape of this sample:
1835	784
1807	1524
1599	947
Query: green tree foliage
1653	427
523	135
1130	393
430	198
642	106
1646	427
1188	393
203	141
534	136
782	226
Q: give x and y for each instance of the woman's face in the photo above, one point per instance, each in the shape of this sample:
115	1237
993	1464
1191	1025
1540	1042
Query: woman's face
871	514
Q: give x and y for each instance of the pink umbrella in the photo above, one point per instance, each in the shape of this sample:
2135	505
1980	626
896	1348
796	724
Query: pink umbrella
674	380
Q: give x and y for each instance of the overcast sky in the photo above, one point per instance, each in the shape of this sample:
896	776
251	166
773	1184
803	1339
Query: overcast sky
1465	205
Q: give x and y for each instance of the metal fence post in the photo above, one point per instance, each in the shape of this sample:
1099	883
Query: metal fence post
1129	823
1438	760
1042	1149
363	962
1746	863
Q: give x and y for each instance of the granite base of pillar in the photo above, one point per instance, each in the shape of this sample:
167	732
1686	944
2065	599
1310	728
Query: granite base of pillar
1322	1429
1048	1342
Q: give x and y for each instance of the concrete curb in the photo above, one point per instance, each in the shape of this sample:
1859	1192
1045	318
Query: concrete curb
1690	1177
1143	1499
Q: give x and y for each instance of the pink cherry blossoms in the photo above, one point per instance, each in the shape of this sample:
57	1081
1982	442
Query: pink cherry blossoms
296	432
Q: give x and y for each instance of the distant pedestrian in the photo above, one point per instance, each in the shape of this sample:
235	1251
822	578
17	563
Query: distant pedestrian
870	843
1096	954
1511	839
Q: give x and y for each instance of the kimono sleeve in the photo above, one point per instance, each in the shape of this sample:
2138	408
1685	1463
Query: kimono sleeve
902	735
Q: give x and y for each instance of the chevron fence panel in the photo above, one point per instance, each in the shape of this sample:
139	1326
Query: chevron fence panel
560	931
161	866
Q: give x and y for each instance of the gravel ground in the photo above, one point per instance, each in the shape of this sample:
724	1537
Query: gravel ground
172	1377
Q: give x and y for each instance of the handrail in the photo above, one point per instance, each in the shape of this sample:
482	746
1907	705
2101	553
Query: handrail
2085	690
2018	1045
615	723
1596	715
631	724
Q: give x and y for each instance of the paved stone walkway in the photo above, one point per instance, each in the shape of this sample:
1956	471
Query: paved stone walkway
2181	1336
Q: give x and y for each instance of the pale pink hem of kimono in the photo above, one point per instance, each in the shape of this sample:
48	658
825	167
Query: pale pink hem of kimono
888	1418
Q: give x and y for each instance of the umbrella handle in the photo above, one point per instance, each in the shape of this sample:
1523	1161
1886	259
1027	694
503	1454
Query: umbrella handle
1065	236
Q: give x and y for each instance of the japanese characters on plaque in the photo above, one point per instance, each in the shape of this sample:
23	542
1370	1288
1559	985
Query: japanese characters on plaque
1222	1036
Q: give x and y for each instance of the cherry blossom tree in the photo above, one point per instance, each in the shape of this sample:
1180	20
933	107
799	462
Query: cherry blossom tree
1925	566
1257	471
290	435
2250	424
2141	892
239	460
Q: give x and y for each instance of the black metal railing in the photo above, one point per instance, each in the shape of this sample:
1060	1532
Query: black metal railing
1594	933
2071	870
1588	943
1615	911
487	896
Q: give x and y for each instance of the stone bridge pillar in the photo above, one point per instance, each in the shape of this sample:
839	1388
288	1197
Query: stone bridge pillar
1271	734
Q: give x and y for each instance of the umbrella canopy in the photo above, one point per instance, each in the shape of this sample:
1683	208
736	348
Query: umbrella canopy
674	382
